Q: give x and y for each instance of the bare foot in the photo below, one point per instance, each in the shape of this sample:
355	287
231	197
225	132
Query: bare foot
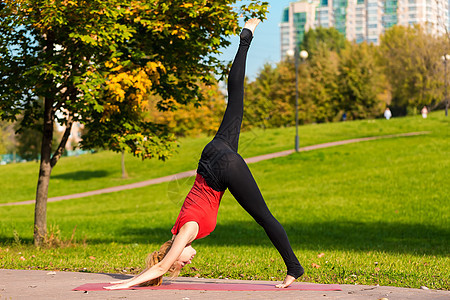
251	24
117	286
287	282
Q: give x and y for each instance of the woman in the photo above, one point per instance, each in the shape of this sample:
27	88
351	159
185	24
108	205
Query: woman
220	167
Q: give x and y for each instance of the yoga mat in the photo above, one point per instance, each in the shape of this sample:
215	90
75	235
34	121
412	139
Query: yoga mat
218	287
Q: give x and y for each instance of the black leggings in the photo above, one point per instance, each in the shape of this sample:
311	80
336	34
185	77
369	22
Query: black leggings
222	167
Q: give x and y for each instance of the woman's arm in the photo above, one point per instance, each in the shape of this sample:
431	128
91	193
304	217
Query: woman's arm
186	235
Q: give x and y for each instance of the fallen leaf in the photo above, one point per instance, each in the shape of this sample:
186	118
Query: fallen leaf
377	269
315	265
92	257
321	255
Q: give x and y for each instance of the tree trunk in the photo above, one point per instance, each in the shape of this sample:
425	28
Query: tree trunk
124	171
40	211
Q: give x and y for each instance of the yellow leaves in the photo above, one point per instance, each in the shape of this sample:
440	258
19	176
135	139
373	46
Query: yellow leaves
186	5
129	84
69	2
179	32
155	67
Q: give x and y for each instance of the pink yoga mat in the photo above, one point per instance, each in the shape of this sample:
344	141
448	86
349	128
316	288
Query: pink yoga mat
219	287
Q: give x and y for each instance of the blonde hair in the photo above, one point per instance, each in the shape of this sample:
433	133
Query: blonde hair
157	256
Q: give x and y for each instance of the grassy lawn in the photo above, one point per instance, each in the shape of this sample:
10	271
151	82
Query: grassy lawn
100	170
369	213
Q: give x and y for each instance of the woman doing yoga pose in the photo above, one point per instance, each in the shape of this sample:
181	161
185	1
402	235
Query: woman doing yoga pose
220	167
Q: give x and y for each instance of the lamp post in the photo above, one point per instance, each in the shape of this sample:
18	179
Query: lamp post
303	55
445	58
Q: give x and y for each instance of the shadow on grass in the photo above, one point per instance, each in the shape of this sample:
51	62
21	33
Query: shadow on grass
81	175
320	236
340	235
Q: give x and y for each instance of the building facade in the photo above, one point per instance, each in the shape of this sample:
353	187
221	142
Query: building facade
360	20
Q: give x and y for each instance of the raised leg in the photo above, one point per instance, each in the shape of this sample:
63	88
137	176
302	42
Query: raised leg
230	127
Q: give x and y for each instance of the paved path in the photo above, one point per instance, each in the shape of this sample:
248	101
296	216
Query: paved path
193	172
46	285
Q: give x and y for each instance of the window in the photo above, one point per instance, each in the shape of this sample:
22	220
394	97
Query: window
285	15
300	18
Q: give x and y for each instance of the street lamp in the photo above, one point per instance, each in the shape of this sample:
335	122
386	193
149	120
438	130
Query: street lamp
303	55
445	58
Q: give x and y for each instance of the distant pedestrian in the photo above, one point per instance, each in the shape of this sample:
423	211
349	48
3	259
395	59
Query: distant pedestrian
424	112
387	113
344	116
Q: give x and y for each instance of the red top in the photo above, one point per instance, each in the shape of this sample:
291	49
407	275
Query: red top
201	205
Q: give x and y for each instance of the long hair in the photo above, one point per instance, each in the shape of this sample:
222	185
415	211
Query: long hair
156	257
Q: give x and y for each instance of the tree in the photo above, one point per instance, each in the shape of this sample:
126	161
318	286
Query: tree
411	60
323	39
7	140
261	99
192	119
319	89
95	61
361	83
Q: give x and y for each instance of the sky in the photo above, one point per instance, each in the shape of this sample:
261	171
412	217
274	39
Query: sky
265	46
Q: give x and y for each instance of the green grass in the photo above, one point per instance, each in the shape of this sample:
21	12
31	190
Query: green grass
377	210
100	170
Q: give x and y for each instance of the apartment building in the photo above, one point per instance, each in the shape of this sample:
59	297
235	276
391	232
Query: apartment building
360	20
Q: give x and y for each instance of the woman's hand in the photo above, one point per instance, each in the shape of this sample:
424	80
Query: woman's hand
125	285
